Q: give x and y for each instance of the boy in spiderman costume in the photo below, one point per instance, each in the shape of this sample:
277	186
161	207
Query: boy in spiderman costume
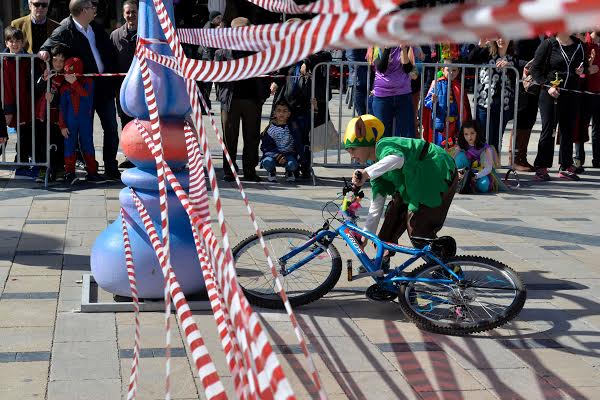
76	120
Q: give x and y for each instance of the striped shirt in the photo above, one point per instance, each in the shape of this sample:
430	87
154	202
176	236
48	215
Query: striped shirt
282	137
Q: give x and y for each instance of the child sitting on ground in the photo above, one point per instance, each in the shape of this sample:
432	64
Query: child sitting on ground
435	130
280	144
477	159
76	121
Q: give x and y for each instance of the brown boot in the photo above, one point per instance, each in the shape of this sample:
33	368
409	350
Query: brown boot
520	160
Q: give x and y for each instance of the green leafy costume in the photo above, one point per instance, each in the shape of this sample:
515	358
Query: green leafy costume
419	181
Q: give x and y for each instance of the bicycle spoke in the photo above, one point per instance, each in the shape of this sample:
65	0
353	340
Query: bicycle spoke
255	275
483	293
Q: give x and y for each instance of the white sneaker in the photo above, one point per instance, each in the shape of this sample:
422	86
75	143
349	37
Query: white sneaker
290	177
272	177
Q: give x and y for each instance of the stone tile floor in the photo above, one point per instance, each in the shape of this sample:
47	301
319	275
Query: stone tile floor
548	232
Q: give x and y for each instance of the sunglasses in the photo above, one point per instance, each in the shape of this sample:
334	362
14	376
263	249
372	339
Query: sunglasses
40	5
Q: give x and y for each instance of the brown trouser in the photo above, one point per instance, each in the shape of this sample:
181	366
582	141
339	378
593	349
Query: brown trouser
249	112
426	222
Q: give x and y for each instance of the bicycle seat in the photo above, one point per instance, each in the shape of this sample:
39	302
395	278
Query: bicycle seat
443	246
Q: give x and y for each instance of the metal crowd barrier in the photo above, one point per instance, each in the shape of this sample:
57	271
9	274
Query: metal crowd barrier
343	87
32	162
334	156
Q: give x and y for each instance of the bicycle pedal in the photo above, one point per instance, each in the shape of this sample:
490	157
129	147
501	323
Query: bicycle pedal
379	294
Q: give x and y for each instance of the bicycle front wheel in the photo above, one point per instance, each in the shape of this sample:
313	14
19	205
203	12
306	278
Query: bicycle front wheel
303	285
488	295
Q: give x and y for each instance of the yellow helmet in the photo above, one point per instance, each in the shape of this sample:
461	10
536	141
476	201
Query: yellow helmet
363	131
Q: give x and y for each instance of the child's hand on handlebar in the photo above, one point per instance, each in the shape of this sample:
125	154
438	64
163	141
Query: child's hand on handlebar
359	177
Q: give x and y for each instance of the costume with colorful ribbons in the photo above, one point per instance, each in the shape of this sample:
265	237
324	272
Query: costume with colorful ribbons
435	130
483	162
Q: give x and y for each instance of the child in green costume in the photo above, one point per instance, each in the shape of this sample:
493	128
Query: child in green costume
421	178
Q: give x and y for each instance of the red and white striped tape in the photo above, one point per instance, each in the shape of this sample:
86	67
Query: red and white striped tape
206	368
133	377
454	23
198	211
201	358
163	204
327	6
106	74
258	370
277	381
196	111
297	330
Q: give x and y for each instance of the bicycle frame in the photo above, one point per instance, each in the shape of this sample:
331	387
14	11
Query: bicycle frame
345	230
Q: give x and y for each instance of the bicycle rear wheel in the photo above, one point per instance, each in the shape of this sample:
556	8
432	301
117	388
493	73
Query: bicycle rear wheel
488	295
304	285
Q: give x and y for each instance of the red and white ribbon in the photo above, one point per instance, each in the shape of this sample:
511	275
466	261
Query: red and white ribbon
132	388
206	368
256	370
451	23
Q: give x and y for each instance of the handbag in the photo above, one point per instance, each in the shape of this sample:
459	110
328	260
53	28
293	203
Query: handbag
325	137
529	84
465	183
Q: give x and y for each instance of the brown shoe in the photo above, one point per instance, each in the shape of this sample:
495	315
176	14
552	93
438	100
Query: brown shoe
521	166
520	158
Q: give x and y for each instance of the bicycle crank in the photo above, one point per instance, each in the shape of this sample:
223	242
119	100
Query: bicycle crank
379	294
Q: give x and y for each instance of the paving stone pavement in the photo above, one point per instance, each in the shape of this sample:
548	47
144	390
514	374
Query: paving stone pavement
549	232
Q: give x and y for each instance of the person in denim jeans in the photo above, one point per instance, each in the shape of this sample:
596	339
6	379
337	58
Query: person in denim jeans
280	144
358	79
392	99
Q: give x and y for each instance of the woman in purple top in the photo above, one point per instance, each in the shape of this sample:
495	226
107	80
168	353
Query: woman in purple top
392	100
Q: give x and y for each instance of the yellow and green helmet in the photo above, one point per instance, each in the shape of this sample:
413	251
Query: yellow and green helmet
363	131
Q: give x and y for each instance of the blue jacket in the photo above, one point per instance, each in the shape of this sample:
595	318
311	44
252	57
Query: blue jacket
268	145
442	108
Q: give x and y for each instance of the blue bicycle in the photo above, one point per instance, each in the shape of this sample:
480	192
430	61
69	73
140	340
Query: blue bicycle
449	294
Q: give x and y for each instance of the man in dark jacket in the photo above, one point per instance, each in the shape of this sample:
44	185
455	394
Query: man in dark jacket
241	100
86	39
124	41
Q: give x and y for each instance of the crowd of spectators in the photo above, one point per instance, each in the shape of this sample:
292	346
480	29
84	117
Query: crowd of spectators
559	64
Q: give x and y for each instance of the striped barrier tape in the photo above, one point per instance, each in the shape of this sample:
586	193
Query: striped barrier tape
313	370
293	46
198	213
263	359
198	195
297	330
327	6
204	364
151	101
213	390
271	379
454	23
133	377
163	204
